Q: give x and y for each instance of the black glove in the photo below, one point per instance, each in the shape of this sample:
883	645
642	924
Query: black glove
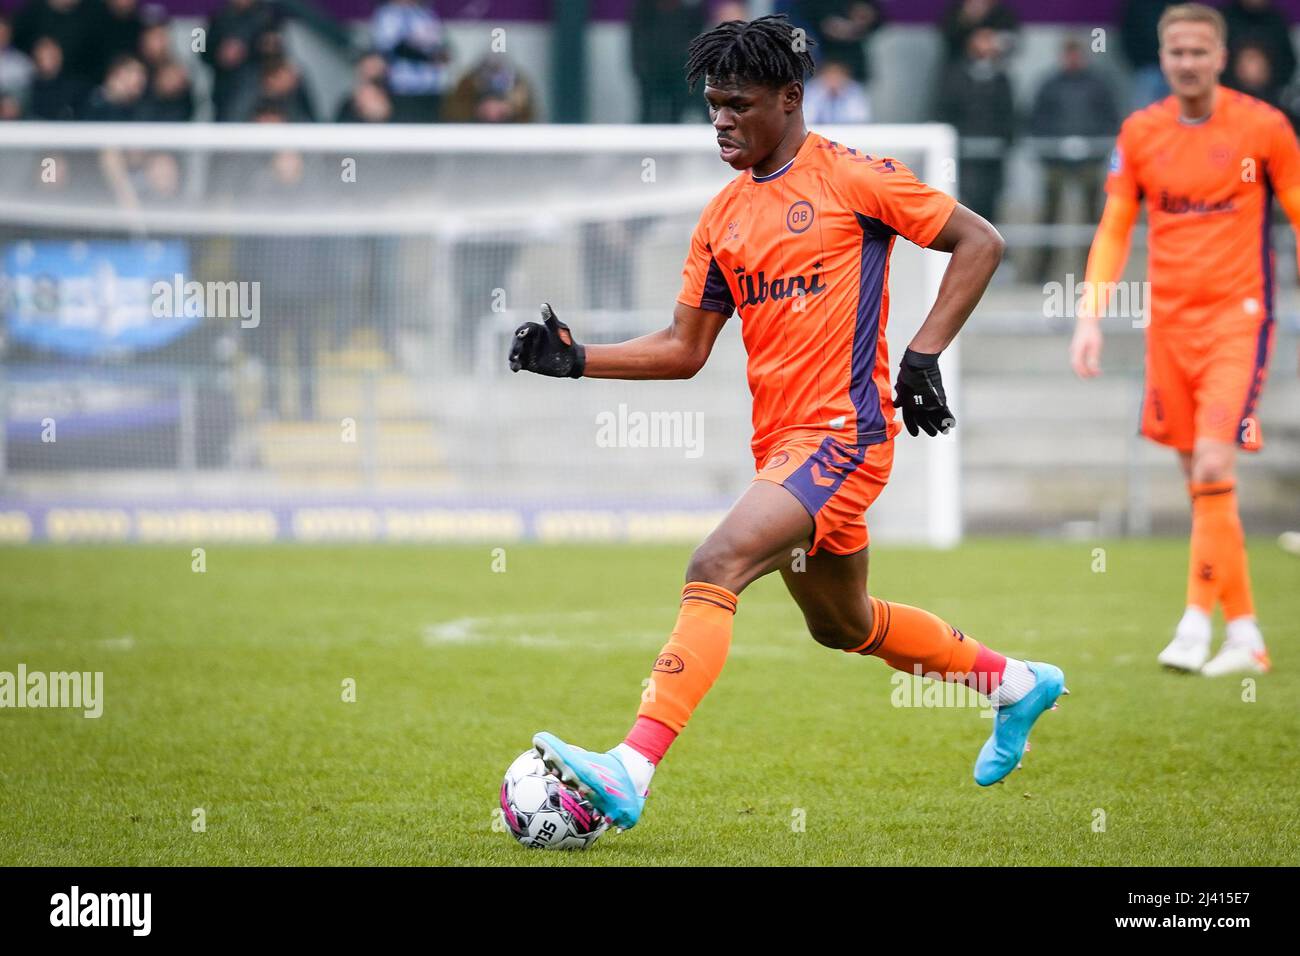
547	348
919	393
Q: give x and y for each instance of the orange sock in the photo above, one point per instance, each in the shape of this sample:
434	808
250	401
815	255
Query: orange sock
906	638
693	657
1217	567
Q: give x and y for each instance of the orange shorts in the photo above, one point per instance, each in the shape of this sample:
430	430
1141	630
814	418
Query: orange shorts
836	482
1205	387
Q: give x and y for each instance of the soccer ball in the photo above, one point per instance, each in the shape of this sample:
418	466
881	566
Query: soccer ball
542	812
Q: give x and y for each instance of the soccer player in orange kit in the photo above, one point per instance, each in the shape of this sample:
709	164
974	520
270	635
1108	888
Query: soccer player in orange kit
1208	161
799	244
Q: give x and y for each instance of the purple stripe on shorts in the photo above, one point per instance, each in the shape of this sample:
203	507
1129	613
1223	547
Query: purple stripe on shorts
818	478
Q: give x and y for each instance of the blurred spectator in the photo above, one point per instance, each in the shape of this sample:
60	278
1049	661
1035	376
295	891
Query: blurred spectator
1252	73
412	40
120	97
11	107
154	48
280	86
234	40
381	264
833	96
138	178
1140	39
369	103
659	32
73	25
270	44
15	75
492	91
170	98
1288	101
157	180
1076	109
724	11
117	34
976	99
290	269
371	68
611	253
964	17
482	262
841	28
1257	27
55	95
284	174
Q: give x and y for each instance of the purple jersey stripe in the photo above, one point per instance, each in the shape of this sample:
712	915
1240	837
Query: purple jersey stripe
876	239
717	295
1264	339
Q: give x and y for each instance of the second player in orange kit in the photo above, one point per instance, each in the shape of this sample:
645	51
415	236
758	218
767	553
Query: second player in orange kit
1208	162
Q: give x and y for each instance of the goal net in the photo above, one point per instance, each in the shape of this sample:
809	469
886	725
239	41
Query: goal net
296	332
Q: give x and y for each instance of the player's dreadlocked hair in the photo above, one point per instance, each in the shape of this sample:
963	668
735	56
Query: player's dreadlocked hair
766	51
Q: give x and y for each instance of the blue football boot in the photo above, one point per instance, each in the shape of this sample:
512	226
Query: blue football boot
601	778
1001	753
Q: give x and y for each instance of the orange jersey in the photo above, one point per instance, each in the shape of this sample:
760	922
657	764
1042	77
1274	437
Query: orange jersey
1208	188
803	255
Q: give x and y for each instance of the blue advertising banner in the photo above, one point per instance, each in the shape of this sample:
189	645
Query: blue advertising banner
93	299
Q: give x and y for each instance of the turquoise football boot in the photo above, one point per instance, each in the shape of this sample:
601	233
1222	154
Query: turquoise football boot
1001	753
601	778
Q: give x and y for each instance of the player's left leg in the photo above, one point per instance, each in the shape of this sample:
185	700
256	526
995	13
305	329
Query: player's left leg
831	590
755	538
1218	569
1201	395
1169	418
1227	375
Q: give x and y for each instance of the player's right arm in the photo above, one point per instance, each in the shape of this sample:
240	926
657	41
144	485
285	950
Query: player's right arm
679	351
1105	266
1107	256
703	306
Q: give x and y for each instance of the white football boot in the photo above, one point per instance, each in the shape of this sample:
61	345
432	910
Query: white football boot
1190	648
1242	652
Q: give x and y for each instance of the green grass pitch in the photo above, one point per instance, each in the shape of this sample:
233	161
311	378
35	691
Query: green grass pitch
224	691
